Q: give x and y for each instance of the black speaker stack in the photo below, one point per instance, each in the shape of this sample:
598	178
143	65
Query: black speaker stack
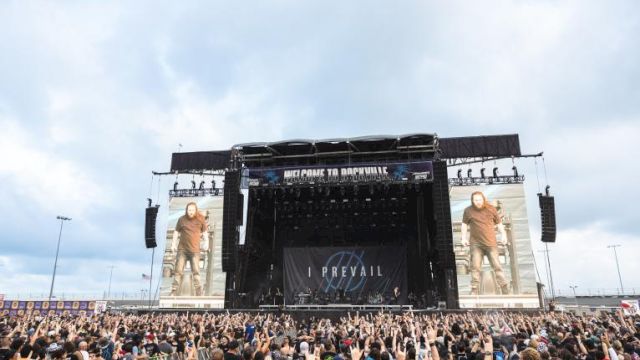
548	215
232	207
151	213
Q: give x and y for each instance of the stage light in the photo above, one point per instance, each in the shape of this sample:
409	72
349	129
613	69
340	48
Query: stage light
193	184
201	185
495	172
482	173
459	173
469	173
175	186
515	171
213	184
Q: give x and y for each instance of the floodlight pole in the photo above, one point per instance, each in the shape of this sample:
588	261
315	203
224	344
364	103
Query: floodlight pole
615	253
110	277
55	264
575	297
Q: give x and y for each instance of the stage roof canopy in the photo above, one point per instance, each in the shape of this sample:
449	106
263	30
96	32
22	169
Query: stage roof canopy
358	149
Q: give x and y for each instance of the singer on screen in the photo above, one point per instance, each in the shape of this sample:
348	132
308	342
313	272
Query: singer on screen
190	228
480	220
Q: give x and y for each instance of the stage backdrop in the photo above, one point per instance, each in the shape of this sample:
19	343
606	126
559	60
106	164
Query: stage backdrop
359	271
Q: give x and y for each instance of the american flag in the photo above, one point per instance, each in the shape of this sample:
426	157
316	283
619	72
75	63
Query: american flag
146	277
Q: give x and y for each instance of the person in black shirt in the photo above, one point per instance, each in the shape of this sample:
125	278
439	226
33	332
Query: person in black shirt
232	353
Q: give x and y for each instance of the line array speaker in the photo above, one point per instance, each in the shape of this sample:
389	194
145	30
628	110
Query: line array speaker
444	237
548	215
230	220
151	213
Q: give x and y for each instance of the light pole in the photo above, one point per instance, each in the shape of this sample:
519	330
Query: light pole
110	277
55	264
615	253
573	287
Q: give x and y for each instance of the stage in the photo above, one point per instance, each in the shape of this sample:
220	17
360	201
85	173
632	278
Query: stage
351	224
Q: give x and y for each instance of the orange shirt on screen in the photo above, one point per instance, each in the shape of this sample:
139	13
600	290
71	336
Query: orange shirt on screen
190	230
482	223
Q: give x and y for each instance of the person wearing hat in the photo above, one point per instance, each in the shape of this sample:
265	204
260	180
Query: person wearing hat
150	346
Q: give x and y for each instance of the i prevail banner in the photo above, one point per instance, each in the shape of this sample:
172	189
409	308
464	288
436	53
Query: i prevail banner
358	271
395	171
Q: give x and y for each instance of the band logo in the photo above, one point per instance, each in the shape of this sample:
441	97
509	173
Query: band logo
351	270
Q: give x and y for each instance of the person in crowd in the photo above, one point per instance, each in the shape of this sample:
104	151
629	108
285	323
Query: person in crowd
278	336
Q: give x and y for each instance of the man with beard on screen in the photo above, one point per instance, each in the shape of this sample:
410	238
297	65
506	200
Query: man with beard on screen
481	220
190	228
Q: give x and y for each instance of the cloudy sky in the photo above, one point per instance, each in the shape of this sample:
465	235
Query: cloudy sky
96	95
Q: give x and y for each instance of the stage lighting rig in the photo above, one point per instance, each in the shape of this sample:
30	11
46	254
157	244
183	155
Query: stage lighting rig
175	186
193	184
460	174
495	172
515	171
469	173
482	176
201	185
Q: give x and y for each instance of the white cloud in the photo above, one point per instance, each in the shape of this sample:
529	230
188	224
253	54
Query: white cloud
580	257
41	176
94	96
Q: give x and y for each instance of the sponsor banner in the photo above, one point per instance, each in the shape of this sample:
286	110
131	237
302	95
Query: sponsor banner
17	307
359	272
394	171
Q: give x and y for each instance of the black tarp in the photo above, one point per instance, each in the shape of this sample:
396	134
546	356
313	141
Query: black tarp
200	160
480	146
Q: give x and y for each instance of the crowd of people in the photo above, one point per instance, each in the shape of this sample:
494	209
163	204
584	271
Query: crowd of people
354	336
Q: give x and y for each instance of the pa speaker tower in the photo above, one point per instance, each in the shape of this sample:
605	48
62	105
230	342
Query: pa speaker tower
548	215
230	221
151	214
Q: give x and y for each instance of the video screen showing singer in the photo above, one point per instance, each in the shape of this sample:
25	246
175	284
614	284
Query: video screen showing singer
480	220
190	229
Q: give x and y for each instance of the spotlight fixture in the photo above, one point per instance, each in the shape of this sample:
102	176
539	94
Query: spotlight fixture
469	173
175	186
515	171
201	185
213	184
193	184
495	172
459	173
482	173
